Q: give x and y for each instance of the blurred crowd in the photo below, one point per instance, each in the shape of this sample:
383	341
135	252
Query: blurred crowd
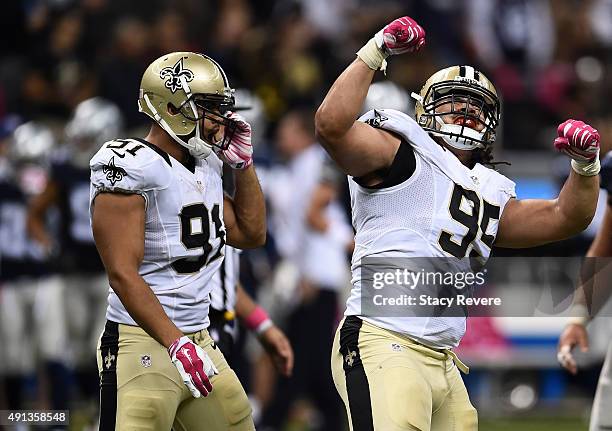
548	57
69	80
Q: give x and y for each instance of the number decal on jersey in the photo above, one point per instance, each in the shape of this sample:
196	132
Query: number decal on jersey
120	144
469	219
195	233
219	230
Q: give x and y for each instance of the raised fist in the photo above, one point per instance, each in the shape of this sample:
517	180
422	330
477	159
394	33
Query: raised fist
400	36
578	140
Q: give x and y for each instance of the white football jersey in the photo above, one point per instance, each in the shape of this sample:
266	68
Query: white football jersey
184	230
444	209
224	281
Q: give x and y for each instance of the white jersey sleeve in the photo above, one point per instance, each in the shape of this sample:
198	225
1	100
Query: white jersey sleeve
128	166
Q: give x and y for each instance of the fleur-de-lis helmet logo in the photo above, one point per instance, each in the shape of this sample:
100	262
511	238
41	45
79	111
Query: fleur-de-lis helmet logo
172	76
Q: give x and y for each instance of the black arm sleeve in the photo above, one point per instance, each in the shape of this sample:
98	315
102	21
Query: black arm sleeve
401	169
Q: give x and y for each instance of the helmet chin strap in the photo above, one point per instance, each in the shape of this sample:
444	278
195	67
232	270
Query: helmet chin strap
198	147
457	135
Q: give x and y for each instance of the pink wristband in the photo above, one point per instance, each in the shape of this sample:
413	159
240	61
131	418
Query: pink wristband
257	317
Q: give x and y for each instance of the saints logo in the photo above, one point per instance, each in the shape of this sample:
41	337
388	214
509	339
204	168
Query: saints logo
113	173
145	361
377	120
173	76
350	358
109	359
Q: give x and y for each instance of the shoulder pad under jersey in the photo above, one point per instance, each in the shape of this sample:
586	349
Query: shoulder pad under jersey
130	166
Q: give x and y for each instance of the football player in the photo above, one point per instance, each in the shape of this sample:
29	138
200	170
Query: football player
93	122
420	188
575	333
29	296
160	222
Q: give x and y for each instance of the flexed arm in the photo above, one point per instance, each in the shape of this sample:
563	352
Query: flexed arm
358	148
533	222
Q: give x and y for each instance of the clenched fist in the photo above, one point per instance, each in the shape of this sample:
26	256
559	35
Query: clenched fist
581	142
578	140
400	36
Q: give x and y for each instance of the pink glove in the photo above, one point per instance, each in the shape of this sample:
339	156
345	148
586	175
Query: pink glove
194	366
578	140
239	153
400	36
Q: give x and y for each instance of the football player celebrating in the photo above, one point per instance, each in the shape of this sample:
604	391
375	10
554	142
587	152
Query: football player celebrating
575	333
160	221
421	189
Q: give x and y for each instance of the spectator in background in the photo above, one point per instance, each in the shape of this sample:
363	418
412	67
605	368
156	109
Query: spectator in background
519	32
599	15
312	235
171	33
121	71
513	40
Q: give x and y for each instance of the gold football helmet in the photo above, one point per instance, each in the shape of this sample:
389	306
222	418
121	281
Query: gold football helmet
180	89
471	95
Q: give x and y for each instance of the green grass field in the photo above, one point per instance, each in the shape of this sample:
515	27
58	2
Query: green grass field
505	424
533	424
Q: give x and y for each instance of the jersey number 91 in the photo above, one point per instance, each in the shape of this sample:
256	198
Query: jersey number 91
195	233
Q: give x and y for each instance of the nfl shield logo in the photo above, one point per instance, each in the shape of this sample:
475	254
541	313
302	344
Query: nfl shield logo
145	361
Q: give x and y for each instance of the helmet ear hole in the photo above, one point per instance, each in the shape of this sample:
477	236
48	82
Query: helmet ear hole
172	110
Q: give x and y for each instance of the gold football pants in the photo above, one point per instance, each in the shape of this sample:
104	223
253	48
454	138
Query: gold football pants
140	388
389	382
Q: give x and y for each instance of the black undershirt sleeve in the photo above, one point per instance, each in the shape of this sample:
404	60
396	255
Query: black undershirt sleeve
402	168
